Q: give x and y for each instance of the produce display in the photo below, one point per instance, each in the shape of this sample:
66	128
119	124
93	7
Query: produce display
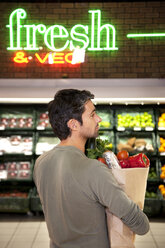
161	122
45	144
162	145
152	174
134	144
16	120
106	119
151	195
15	170
162	190
43	121
14	194
16	144
135	120
130	133
162	174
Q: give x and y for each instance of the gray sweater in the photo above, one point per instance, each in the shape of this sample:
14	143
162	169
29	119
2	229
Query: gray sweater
74	191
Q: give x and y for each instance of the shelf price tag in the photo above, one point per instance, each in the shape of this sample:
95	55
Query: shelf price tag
162	153
161	128
149	128
137	128
40	128
28	153
121	128
3	174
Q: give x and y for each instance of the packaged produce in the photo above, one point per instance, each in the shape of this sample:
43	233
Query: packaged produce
16	119
45	144
111	159
15	170
16	144
43	121
134	144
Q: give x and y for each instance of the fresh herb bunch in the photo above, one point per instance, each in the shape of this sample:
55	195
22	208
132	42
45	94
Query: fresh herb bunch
100	147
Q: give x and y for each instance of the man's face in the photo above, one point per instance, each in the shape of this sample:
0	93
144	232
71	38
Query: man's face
90	126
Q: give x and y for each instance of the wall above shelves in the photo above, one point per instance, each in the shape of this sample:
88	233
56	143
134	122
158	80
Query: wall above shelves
106	91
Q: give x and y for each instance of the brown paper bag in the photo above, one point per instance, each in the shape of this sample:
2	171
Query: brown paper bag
133	181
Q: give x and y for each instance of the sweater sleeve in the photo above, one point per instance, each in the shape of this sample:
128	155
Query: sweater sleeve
108	192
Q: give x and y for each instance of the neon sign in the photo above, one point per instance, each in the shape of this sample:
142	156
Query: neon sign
48	58
93	37
145	35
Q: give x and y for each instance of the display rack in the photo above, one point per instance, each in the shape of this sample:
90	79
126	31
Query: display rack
25	133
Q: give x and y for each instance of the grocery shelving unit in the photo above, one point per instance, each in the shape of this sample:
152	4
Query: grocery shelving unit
25	133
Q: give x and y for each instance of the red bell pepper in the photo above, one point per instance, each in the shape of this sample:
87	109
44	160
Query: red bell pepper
139	160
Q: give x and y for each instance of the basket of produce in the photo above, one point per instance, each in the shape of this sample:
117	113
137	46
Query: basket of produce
16	201
137	120
135	142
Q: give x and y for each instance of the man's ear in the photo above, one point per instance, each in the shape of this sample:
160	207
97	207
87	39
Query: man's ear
72	124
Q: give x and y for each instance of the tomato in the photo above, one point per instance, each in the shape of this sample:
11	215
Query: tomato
102	160
122	155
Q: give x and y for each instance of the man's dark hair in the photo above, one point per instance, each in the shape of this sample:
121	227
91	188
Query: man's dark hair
67	104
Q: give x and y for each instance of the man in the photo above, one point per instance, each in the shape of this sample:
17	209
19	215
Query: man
75	190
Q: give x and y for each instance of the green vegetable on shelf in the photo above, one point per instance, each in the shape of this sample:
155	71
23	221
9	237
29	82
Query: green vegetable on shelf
151	195
152	174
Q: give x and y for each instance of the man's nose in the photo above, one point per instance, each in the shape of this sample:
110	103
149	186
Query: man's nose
99	119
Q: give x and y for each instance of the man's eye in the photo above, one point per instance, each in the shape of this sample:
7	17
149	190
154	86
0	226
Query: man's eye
92	115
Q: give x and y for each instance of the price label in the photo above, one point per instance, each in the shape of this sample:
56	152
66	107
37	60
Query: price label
121	128
137	128
2	127
149	128
40	128
162	153
28	153
161	128
3	174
